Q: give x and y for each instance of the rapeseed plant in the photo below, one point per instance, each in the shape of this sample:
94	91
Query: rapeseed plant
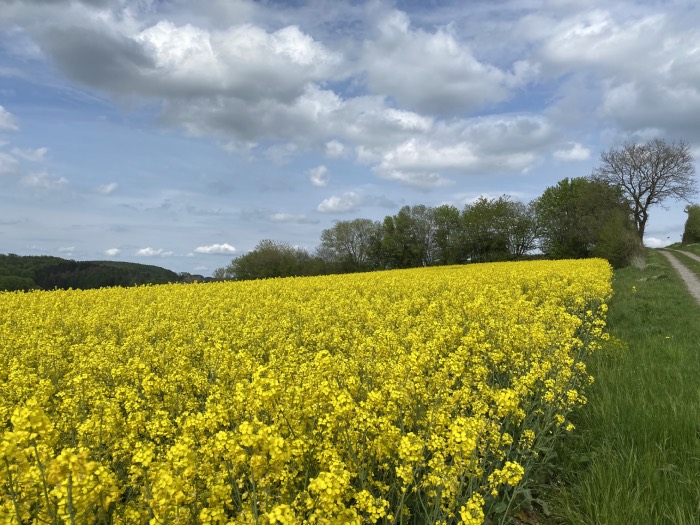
391	397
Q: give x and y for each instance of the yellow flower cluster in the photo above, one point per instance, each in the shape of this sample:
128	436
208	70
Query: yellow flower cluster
400	396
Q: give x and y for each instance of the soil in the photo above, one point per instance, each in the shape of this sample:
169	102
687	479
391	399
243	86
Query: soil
688	277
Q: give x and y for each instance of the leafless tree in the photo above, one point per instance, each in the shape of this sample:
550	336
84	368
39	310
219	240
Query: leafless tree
649	174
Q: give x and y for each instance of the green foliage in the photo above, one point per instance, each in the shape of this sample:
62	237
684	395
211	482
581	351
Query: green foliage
617	241
448	235
408	239
13	283
485	225
351	246
582	217
488	230
498	229
273	259
634	455
47	273
691	232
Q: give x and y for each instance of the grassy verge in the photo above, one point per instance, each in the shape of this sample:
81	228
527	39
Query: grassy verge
692	264
635	458
693	248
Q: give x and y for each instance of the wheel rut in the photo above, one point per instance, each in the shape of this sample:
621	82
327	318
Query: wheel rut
691	281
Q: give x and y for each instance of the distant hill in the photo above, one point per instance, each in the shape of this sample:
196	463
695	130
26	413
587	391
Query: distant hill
44	272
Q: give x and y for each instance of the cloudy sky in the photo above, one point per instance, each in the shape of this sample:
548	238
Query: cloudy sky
181	133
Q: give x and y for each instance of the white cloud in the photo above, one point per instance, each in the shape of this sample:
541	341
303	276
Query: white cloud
224	248
418	179
348	201
319	176
653	242
31	155
575	151
112	252
8	163
467	146
7	121
43	180
243	61
106	189
634	67
425	155
433	72
663	105
151	252
287	217
595	37
335	149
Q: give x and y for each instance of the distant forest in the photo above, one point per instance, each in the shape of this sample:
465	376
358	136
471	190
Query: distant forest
48	273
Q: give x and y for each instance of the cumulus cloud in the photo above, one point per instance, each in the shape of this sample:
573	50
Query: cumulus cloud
224	248
574	151
407	84
469	146
433	72
7	121
637	106
247	85
245	62
595	37
419	180
31	155
319	176
287	217
335	149
348	201
654	242
152	252
641	68
43	180
112	252
8	163
106	189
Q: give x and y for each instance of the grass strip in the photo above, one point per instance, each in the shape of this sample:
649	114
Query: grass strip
693	248
635	456
692	264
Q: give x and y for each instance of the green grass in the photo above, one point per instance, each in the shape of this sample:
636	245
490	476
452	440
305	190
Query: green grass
692	264
635	456
693	248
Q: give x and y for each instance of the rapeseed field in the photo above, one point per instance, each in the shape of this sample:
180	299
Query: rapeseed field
408	396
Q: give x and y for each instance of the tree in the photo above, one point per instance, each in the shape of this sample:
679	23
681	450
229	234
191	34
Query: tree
583	217
691	232
349	244
498	229
649	174
270	259
408	238
485	229
522	228
448	235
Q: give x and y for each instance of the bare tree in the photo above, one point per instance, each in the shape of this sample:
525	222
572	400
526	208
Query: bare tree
349	243
649	174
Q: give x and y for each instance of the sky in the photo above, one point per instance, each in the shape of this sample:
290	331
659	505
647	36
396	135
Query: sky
181	133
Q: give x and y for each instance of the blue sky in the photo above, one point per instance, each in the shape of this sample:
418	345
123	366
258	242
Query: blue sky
182	133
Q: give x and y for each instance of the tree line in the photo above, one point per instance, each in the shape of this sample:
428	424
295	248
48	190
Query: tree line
602	215
43	272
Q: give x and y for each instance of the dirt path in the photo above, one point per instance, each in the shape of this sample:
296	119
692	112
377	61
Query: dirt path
691	281
691	255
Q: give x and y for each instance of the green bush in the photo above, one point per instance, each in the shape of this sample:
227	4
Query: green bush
691	233
12	283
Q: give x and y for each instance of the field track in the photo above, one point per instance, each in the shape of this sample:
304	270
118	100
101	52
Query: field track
692	282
